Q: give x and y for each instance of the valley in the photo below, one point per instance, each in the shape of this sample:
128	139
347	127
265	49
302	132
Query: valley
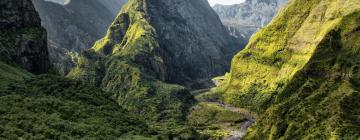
179	70
234	131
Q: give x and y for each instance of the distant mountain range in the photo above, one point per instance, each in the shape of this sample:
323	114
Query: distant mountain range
145	79
242	20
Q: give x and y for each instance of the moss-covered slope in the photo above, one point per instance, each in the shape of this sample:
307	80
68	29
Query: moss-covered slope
171	40
51	107
141	54
301	73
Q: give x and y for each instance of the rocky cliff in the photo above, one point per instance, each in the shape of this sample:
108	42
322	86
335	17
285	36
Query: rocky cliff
195	45
300	73
29	101
153	43
172	41
23	40
242	20
74	27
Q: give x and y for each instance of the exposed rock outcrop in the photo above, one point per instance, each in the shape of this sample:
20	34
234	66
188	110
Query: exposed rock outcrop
74	27
22	39
242	20
176	43
153	43
195	44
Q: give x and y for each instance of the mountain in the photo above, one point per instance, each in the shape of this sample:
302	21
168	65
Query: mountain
301	73
113	5
23	40
178	47
74	27
242	20
48	106
151	48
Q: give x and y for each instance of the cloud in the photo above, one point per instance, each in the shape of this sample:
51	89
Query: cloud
60	1
225	2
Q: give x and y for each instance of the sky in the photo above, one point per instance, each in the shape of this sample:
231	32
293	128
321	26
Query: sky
225	2
59	1
212	2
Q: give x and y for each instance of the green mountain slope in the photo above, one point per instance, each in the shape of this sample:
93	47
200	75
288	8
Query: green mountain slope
141	54
301	73
51	107
131	71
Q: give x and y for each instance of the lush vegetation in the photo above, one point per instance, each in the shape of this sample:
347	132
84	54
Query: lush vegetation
213	121
51	107
321	101
127	62
300	73
10	74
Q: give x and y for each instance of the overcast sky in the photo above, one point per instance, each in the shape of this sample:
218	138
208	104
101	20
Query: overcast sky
212	2
59	1
225	2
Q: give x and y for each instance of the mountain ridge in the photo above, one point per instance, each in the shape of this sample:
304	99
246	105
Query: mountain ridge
303	63
133	62
242	20
48	106
74	27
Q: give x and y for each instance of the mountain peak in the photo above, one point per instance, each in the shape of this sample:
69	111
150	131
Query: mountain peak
159	28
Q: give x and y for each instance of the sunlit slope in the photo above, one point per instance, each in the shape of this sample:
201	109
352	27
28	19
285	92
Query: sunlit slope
322	100
276	53
127	62
301	73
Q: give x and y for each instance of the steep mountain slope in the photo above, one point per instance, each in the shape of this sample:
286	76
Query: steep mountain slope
23	40
152	43
74	27
112	5
51	107
242	20
191	50
301	73
182	48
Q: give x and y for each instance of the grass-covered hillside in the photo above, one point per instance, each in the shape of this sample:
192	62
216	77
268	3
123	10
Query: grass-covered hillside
51	107
300	73
132	68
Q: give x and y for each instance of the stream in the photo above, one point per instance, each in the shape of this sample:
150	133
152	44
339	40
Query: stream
235	134
238	134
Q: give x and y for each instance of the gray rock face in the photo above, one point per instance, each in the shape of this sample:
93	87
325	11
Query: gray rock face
22	39
242	20
74	27
113	5
197	44
184	41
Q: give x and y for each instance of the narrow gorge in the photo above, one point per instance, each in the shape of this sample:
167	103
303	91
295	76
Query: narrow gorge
179	69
